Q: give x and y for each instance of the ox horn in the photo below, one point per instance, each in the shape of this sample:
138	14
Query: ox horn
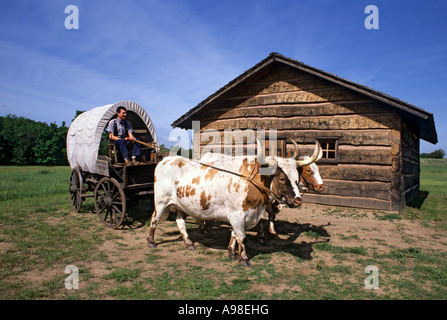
261	156
320	154
313	158
295	150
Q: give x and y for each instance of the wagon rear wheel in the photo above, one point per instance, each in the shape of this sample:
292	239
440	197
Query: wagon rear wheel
110	202
75	190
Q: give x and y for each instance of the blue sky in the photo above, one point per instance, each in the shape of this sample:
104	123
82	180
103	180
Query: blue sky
170	55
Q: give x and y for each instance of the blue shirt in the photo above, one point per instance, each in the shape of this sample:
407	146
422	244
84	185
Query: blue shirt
120	127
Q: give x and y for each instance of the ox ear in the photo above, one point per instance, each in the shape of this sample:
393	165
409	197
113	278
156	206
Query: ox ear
313	158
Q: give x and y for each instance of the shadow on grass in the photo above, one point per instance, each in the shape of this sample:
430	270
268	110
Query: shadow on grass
218	237
418	201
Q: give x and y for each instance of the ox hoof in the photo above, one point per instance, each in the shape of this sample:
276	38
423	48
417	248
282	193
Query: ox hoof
246	263
232	256
275	236
151	245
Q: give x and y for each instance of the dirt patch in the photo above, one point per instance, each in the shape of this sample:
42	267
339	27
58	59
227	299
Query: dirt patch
361	227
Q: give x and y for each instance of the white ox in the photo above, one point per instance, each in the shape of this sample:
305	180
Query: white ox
207	193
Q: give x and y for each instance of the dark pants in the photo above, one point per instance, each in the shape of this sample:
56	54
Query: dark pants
124	145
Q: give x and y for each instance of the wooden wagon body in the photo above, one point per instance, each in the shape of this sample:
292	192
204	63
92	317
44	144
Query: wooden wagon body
113	185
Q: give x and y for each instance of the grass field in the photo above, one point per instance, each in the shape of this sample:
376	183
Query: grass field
40	236
431	204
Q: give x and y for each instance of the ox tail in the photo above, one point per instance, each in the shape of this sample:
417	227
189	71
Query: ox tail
165	212
165	215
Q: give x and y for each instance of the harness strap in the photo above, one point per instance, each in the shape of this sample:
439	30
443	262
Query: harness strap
301	175
115	128
250	179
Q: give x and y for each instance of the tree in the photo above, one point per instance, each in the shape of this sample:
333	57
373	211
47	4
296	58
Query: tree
77	113
50	145
5	150
20	134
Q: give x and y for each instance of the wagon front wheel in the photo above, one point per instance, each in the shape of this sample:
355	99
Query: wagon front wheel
110	202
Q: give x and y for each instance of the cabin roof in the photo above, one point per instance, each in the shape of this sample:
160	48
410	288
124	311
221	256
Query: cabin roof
422	118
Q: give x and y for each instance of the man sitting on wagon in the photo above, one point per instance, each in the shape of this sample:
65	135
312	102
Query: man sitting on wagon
121	134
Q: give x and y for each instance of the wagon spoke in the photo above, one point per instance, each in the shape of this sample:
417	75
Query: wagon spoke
116	209
99	198
78	200
104	188
114	217
101	211
117	213
117	197
108	211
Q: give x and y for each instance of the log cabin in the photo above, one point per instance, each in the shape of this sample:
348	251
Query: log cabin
370	139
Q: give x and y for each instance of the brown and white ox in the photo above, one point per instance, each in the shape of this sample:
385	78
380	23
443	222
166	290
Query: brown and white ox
207	193
310	176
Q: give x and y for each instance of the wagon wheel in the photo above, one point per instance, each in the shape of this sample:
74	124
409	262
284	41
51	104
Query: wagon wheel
110	202
75	190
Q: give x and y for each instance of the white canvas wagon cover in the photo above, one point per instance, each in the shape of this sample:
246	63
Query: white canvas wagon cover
85	132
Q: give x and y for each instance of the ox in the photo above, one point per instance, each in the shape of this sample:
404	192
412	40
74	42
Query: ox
310	176
206	193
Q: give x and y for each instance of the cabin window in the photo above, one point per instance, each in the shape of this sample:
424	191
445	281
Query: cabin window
330	150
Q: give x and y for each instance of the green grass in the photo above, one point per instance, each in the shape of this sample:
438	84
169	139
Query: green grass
18	183
124	274
337	249
430	206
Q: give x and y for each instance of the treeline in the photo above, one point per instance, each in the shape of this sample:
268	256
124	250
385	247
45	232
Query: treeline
27	142
437	154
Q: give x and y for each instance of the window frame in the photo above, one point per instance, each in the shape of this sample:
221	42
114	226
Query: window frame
328	140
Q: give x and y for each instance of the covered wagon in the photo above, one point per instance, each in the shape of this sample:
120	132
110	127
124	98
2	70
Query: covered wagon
105	176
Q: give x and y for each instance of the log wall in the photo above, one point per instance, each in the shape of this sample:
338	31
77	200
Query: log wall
410	164
378	156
